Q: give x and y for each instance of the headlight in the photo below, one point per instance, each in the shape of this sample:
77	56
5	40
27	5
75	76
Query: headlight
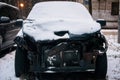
20	41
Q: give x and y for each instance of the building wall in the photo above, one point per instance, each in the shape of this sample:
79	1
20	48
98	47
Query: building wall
101	9
81	1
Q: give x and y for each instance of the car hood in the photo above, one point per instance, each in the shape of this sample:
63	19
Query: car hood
41	30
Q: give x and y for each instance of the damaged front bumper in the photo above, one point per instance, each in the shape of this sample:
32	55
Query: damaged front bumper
63	55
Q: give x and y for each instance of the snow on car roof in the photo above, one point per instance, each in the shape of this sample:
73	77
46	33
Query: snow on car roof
45	31
47	17
59	10
2	4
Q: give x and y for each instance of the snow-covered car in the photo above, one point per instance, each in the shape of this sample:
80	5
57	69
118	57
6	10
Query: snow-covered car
8	31
60	37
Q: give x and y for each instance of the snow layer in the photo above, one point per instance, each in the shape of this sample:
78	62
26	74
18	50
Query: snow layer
49	17
7	67
45	31
113	55
59	10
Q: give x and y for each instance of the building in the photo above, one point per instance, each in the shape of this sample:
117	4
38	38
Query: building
104	9
108	10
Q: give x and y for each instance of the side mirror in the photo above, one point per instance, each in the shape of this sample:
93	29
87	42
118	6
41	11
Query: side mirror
4	19
102	22
19	23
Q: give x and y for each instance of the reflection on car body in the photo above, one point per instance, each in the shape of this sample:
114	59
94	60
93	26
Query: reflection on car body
8	31
61	38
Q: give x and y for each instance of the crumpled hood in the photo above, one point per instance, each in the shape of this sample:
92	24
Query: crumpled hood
45	30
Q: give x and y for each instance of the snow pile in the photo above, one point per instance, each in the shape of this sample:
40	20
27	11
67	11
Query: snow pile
113	55
7	67
58	16
45	31
59	10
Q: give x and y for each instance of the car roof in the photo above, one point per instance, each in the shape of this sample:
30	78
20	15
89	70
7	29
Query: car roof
9	11
2	4
59	9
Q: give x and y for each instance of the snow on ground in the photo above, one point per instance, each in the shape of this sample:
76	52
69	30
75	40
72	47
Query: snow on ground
7	67
113	53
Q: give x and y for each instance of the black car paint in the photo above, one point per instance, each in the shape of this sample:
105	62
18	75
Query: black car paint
36	53
8	30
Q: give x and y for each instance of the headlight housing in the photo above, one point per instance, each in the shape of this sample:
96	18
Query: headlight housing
30	42
26	42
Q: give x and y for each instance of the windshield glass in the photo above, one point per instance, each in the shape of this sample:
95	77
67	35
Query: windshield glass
59	10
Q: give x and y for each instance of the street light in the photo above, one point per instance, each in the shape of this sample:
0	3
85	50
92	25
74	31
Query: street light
21	5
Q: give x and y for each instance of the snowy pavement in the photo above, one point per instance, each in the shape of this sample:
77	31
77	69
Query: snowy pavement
113	54
7	67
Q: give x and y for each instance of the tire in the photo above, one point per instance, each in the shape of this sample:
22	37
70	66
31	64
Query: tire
21	62
101	66
29	76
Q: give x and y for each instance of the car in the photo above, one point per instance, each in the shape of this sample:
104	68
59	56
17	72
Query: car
60	37
8	14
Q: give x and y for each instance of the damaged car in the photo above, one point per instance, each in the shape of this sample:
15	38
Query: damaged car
60	37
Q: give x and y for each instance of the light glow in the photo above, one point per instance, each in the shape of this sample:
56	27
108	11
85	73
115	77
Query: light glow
21	5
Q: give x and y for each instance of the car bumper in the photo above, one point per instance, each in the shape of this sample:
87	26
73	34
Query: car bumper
89	68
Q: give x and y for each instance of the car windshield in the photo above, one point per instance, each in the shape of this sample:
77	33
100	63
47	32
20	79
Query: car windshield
59	10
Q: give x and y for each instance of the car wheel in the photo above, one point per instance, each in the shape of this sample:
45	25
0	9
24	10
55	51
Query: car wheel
21	62
29	76
101	66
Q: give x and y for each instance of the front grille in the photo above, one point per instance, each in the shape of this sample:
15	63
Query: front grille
63	55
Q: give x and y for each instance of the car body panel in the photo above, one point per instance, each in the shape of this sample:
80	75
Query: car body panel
67	16
8	30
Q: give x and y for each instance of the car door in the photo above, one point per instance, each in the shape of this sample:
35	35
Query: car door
2	32
0	41
8	32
